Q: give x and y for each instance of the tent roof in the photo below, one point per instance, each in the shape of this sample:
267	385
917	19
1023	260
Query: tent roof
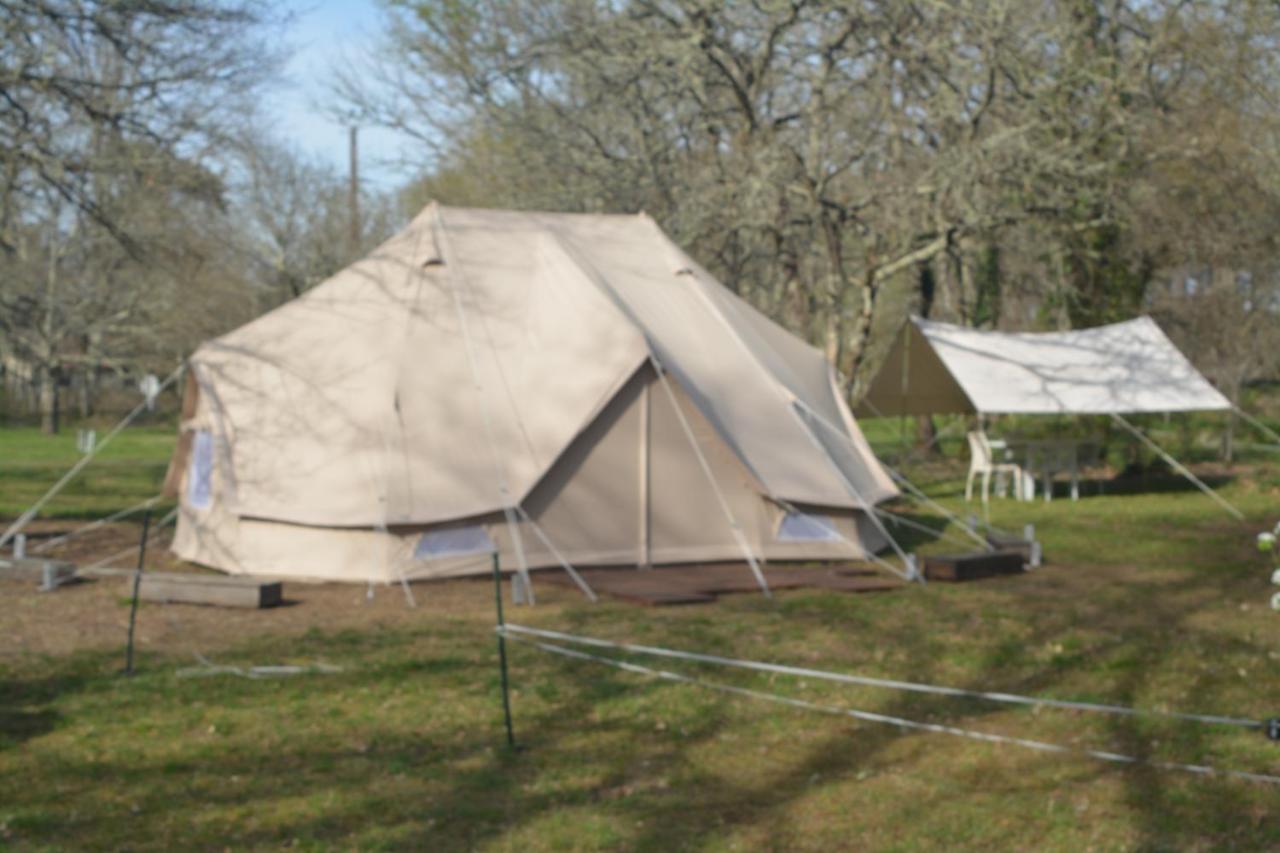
444	375
1123	368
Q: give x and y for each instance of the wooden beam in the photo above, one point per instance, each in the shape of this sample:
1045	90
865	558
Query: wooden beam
214	590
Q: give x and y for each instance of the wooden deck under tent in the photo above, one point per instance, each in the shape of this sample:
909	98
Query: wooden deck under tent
704	582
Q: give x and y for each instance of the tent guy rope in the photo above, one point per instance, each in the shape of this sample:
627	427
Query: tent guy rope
1178	466
888	683
901	722
456	273
95	525
75	469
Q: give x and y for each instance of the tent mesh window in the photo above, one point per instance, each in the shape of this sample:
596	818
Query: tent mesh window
807	527
454	542
200	473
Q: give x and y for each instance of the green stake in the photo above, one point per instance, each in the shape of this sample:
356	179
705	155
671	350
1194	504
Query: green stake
137	582
502	651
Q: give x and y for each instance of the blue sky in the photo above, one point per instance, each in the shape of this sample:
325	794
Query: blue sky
324	35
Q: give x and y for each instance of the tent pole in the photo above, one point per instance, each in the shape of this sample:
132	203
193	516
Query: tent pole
1178	466
715	487
502	652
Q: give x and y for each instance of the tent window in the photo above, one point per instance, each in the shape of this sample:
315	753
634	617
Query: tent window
200	471
454	542
807	527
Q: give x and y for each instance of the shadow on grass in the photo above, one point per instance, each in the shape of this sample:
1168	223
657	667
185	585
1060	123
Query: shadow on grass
596	767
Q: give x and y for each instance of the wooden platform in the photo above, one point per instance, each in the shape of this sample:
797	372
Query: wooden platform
701	583
217	590
37	570
968	567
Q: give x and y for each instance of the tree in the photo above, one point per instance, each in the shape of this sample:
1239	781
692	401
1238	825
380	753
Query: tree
87	84
815	153
295	218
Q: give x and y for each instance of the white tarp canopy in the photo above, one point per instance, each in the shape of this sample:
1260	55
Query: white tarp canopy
1123	368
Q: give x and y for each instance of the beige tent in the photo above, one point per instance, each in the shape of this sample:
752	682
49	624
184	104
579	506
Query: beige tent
563	388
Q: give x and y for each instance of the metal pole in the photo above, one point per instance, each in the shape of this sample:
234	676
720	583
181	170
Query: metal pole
502	651
137	582
355	230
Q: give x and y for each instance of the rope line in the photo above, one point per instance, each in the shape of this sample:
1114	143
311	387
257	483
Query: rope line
1178	466
899	478
57	487
1258	425
734	527
168	518
893	684
944	533
903	723
102	522
456	274
564	562
909	572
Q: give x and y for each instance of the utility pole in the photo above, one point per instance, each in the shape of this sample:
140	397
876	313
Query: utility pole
353	197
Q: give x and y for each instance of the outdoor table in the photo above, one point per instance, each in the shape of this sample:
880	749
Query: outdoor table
1046	457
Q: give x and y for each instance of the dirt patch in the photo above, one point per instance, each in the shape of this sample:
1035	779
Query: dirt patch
94	614
117	541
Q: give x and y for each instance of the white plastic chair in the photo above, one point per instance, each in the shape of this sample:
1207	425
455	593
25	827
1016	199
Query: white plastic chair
981	462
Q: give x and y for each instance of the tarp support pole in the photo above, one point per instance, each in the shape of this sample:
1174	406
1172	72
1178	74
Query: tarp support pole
57	487
715	487
1178	466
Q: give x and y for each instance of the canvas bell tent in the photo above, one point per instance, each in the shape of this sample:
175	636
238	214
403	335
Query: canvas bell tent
565	389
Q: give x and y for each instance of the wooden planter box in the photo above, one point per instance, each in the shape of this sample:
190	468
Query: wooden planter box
214	590
50	573
968	567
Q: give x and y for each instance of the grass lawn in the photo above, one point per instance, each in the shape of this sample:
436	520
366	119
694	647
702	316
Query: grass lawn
1158	600
127	471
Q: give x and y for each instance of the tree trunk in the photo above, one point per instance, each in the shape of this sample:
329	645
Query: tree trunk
926	435
926	431
49	401
83	397
1229	434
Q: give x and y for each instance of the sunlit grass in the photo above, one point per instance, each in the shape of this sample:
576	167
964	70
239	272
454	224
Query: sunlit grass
128	470
1157	600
